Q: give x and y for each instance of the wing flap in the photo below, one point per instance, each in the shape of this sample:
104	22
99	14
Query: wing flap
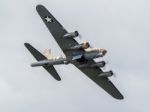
38	56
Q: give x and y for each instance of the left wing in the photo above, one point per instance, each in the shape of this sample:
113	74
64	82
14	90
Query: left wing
57	30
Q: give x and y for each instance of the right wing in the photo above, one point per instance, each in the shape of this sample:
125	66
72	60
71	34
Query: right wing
38	56
103	82
58	31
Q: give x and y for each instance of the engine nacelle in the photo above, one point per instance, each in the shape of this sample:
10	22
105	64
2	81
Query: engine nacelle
106	74
84	45
98	64
71	34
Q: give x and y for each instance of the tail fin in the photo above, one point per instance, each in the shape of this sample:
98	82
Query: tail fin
48	54
38	56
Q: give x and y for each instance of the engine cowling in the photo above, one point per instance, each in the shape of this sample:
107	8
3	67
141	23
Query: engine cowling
98	64
71	34
106	74
84	45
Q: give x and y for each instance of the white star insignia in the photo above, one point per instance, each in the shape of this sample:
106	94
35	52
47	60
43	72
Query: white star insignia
48	19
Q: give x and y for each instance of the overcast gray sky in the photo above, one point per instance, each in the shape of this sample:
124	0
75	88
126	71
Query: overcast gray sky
120	26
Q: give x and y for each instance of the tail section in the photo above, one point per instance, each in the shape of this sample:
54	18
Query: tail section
48	54
38	56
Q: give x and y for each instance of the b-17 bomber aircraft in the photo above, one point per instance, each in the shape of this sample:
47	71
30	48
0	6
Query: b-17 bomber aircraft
80	55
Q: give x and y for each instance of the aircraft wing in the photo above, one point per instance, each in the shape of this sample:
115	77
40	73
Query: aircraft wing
56	29
38	56
103	82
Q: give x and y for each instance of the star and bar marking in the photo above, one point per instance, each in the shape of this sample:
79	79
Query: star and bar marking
48	19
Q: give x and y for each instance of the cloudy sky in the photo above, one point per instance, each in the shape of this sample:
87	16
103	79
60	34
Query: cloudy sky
120	26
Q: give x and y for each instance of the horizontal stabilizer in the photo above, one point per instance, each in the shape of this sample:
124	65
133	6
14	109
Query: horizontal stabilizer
38	56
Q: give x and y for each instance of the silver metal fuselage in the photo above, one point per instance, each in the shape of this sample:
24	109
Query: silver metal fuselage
50	62
88	55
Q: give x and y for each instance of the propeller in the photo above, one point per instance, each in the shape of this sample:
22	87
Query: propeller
91	46
106	63
115	75
80	36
